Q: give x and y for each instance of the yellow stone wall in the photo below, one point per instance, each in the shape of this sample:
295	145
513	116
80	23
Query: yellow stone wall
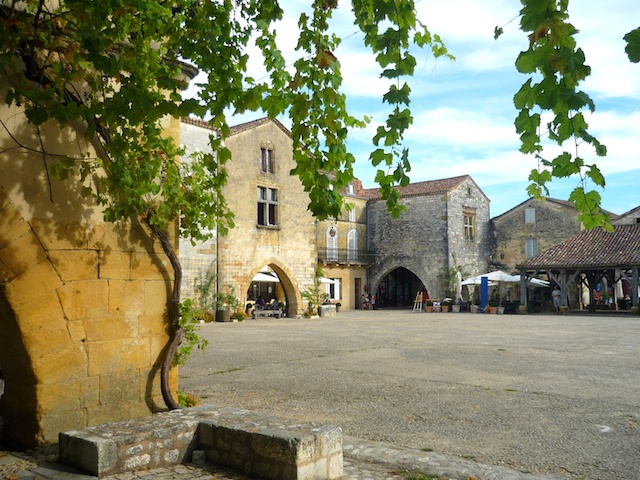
289	249
348	273
83	303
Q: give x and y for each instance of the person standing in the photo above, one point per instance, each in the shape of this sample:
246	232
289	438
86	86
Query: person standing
555	295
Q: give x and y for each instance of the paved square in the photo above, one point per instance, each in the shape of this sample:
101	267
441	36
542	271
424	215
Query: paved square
538	393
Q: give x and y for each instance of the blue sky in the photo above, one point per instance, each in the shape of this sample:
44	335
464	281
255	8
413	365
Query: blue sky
463	110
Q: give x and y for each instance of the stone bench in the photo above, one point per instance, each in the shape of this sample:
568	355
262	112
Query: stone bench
256	444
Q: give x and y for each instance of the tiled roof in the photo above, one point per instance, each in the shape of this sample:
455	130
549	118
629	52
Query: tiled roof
236	129
430	187
564	203
243	127
594	248
357	187
198	122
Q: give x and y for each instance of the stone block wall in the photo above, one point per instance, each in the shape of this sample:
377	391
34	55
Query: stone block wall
259	445
472	256
417	240
83	325
288	248
555	222
83	303
430	235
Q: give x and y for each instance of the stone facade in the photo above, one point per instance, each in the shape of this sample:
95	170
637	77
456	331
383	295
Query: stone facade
628	218
83	303
430	235
342	249
284	243
531	227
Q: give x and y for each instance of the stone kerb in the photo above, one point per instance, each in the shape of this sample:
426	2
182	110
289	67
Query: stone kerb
255	444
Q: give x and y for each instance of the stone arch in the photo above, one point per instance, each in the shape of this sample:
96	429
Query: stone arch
388	293
287	281
83	324
37	351
83	303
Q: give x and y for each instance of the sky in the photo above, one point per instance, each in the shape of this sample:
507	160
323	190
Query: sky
463	110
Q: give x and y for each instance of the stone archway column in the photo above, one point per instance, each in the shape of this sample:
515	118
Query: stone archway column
83	324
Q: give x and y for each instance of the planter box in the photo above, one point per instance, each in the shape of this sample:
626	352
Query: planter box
327	310
223	315
455	308
473	308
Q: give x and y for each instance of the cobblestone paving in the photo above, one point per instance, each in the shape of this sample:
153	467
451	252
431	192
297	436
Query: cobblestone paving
16	466
363	461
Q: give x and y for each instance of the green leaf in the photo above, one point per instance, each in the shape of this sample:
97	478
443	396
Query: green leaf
596	176
633	45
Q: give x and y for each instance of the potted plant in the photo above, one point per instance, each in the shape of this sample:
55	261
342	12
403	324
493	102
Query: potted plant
428	306
493	306
338	305
455	307
225	304
445	305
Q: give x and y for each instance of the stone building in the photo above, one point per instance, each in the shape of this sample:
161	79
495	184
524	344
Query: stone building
342	249
628	218
530	228
274	230
83	302
446	225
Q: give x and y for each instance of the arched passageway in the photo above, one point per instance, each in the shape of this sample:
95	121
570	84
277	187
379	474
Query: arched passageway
398	289
272	283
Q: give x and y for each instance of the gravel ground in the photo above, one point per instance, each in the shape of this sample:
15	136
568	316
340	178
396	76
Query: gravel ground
538	393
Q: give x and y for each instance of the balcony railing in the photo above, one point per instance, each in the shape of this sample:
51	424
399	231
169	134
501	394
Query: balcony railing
342	256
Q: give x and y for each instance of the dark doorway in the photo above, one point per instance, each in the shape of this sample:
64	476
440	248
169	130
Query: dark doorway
398	289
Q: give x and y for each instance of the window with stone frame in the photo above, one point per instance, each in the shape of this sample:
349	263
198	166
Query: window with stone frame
352	214
352	245
529	215
267	160
469	225
332	243
531	247
267	206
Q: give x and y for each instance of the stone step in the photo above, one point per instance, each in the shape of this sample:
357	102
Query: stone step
256	444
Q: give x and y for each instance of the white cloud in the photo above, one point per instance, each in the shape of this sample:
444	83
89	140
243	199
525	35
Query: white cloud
458	128
463	110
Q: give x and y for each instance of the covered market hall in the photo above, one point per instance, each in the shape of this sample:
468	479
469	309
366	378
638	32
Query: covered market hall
596	269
